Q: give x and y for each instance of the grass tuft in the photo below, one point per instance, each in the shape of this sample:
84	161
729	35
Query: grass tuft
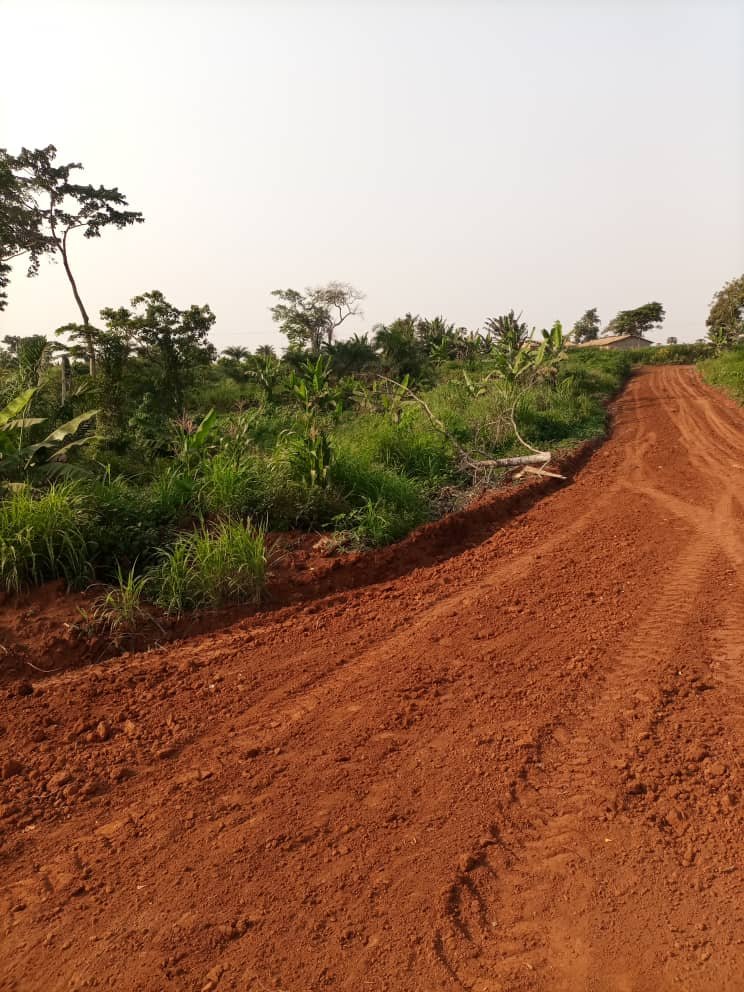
42	537
119	611
210	568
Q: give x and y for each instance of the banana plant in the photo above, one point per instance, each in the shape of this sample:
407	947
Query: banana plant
551	351
46	458
267	372
385	396
313	386
474	390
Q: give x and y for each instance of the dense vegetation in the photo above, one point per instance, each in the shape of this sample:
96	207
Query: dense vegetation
132	453
726	371
126	488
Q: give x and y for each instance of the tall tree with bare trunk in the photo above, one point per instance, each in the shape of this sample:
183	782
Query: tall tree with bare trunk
40	207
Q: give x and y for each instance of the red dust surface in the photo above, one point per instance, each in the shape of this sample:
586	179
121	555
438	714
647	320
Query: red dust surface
504	755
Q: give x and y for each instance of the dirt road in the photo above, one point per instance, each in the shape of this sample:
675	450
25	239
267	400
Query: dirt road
517	769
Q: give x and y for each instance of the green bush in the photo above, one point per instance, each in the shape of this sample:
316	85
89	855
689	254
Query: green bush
119	611
376	523
671	354
129	522
210	568
726	372
223	395
43	536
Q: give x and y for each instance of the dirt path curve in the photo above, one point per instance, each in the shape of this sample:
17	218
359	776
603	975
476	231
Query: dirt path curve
519	769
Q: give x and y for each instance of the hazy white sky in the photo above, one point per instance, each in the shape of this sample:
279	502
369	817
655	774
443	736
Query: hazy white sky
459	158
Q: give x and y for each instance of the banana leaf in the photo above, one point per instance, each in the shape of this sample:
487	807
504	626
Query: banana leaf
16	405
21	423
65	430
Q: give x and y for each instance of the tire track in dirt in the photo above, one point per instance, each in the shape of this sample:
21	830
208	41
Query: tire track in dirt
521	883
516	768
571	788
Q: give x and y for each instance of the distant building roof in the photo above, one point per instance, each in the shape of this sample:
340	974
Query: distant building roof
614	339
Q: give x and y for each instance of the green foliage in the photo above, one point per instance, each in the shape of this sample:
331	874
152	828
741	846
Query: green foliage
310	455
374	491
402	348
112	350
148	427
672	354
172	342
354	355
243	485
313	387
43	536
725	320
376	523
129	522
511	350
586	327
408	446
210	568
192	440
726	371
550	352
20	458
267	372
311	319
638	322
45	207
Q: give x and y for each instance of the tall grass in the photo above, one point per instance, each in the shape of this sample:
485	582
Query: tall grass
209	568
119	611
233	486
726	372
42	536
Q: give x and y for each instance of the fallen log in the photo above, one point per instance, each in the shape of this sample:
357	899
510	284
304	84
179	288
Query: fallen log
540	457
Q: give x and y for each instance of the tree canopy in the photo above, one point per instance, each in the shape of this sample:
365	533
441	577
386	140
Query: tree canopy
587	327
310	319
726	316
640	321
173	342
41	205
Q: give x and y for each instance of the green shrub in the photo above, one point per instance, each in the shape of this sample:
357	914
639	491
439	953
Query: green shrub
359	479
210	568
671	354
42	536
222	396
376	523
129	522
170	496
726	372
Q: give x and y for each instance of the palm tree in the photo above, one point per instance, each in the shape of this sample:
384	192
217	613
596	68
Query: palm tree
400	345
236	352
353	355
